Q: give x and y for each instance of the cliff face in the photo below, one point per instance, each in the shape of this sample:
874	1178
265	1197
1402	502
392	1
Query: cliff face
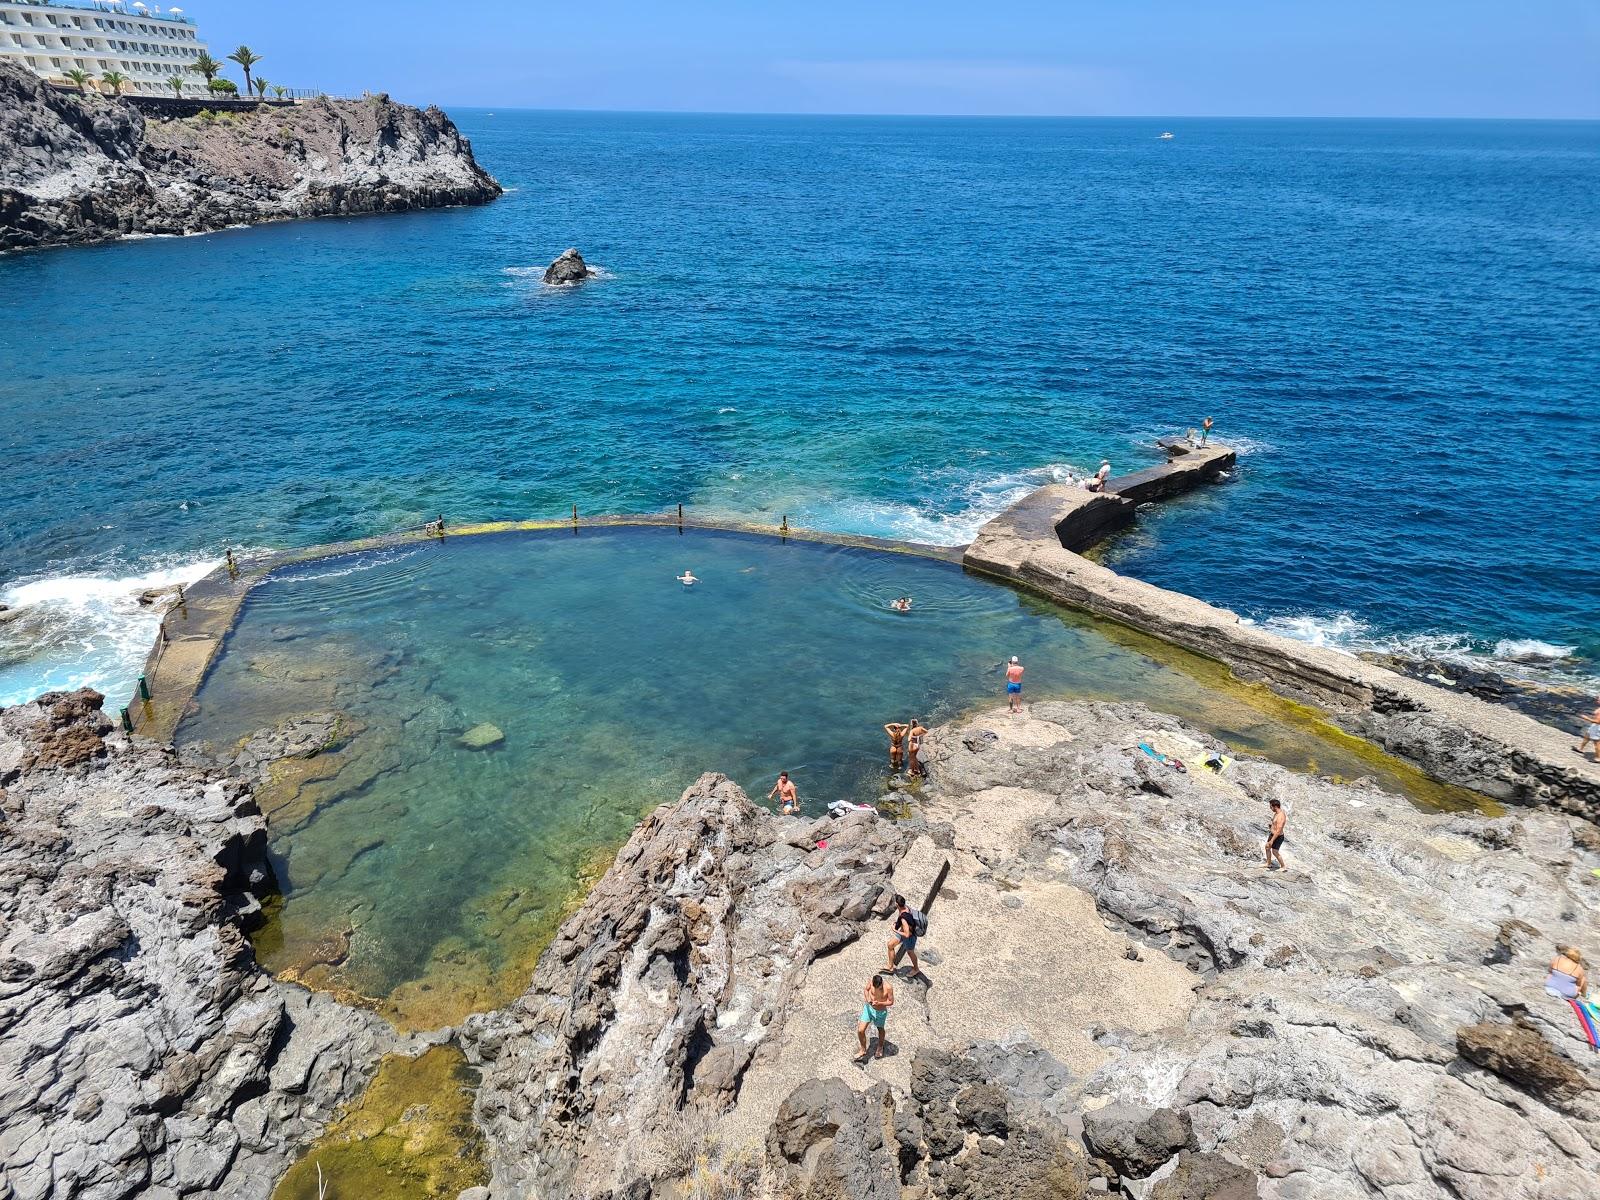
77	169
141	1049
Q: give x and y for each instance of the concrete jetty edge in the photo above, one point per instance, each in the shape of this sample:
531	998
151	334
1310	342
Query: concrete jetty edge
1454	737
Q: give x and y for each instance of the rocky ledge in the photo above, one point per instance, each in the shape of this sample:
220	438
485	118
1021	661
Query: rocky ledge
1116	995
142	1052
88	168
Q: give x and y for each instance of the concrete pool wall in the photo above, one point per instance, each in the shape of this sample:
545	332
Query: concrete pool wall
1455	738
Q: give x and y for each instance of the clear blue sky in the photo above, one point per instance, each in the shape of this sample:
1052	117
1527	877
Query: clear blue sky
1492	58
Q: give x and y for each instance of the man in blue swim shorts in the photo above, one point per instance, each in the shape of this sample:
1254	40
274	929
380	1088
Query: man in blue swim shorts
877	999
1014	684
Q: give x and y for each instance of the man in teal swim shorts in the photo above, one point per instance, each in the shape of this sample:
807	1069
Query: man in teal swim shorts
877	999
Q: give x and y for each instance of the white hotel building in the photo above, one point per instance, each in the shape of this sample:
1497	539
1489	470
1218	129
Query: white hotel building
138	40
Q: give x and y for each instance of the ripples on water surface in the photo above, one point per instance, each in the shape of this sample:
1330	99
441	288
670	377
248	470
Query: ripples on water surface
873	325
426	875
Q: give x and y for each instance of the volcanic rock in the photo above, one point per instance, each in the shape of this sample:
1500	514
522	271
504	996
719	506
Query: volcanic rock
141	1050
569	268
90	168
658	992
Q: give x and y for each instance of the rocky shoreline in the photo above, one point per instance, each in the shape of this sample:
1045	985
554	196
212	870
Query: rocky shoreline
1117	997
78	169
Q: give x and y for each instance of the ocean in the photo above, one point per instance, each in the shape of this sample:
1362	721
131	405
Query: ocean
887	326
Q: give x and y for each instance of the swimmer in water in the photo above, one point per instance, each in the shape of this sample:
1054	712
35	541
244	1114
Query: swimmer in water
687	578
787	794
901	604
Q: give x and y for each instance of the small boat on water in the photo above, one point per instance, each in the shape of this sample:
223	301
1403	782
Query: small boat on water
1166	137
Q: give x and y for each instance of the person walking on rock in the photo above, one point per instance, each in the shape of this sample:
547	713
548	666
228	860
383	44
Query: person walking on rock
1014	684
907	928
1591	733
1275	836
877	999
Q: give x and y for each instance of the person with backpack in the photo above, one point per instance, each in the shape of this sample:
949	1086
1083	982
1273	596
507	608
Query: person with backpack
909	925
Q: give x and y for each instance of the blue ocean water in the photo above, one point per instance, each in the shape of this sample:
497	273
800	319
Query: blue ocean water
877	325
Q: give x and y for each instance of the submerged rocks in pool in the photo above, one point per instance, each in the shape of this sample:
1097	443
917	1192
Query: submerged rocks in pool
481	736
569	268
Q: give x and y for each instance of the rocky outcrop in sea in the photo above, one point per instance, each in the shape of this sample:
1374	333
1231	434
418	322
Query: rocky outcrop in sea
568	267
89	168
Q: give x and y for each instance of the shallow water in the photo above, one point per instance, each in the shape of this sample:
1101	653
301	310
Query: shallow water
425	876
876	325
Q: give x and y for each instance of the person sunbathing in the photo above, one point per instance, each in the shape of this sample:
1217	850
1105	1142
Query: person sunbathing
1567	979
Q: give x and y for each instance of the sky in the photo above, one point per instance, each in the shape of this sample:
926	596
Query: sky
1365	58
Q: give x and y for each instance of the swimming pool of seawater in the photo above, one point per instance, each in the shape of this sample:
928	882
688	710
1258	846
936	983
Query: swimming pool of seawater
424	875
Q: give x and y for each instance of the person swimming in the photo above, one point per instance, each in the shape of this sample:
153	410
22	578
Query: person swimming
901	604
687	578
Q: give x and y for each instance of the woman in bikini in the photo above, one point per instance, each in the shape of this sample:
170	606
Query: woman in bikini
897	744
914	737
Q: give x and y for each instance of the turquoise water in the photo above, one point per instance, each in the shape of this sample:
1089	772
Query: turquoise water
434	871
875	325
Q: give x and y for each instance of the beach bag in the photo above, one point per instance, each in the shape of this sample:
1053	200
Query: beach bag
919	921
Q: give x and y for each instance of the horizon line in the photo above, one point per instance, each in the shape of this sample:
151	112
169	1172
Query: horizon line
936	116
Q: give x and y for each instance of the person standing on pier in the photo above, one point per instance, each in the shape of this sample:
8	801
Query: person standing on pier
1205	430
1097	481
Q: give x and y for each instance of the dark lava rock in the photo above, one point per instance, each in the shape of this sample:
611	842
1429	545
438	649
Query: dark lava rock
1520	1053
569	268
1136	1140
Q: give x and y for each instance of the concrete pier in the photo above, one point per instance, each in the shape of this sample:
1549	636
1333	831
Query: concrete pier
1078	518
1452	736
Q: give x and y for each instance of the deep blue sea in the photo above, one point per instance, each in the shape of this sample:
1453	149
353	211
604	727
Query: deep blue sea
888	326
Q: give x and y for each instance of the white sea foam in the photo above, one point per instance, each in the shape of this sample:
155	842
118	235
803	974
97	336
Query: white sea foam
84	630
352	566
1516	658
980	502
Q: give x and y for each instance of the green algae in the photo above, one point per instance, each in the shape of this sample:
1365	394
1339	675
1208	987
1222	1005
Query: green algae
409	1137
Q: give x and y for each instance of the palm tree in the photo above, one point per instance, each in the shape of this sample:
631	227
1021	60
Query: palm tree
114	80
279	90
245	59
175	82
81	78
261	87
206	65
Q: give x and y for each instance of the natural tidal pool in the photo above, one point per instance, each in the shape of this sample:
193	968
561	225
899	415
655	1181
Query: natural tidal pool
423	875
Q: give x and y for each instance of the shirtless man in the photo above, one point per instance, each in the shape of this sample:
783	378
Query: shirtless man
784	789
914	737
1275	836
877	999
897	744
1591	733
1014	684
1097	481
1205	430
687	578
